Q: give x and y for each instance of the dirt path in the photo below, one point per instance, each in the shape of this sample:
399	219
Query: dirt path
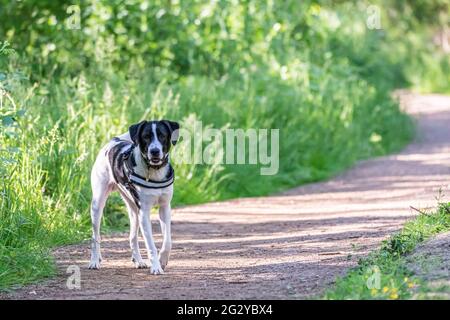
287	246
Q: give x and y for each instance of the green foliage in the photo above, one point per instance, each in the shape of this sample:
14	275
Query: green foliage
310	68
435	12
396	281
214	38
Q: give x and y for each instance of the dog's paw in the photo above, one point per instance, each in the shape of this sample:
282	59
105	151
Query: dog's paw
94	264
156	269
163	259
139	263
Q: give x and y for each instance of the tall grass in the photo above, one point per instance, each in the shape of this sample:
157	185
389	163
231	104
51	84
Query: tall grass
325	86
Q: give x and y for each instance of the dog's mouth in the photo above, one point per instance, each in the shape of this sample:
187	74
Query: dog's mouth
155	160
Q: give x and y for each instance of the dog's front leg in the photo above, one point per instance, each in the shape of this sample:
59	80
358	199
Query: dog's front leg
134	241
164	219
146	229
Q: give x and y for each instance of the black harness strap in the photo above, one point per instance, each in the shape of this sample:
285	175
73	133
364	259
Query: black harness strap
148	183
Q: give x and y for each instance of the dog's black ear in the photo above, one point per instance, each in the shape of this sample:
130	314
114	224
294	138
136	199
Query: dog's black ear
135	130
173	129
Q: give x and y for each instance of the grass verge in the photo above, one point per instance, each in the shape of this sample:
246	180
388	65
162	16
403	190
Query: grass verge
383	274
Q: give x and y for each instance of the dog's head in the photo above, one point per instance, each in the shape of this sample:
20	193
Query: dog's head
154	138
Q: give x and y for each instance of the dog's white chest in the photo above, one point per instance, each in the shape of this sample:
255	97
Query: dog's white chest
156	196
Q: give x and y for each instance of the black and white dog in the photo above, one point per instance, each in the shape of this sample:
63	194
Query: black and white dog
137	165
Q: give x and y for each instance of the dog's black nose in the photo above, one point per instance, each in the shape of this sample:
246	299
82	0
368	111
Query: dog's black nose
154	152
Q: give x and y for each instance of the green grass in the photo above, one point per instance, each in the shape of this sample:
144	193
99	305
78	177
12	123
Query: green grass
389	262
311	69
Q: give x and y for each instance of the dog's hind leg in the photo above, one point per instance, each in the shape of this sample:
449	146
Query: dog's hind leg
100	193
